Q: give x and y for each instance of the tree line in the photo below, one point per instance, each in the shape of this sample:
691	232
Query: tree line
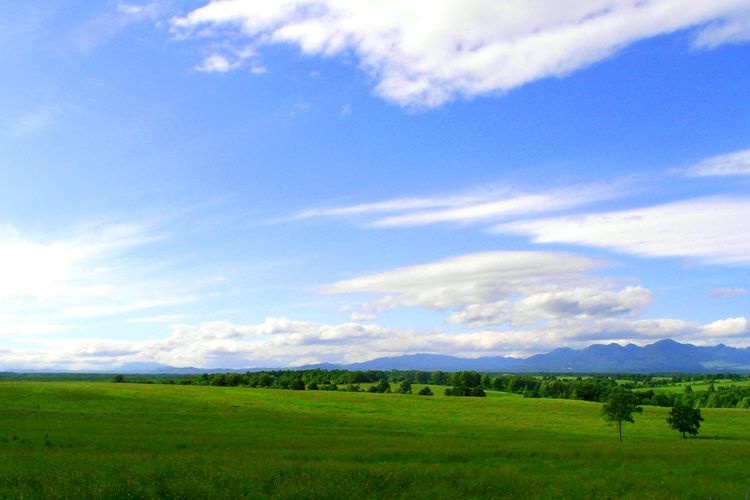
596	388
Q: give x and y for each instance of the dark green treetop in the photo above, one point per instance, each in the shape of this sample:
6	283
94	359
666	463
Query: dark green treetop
685	419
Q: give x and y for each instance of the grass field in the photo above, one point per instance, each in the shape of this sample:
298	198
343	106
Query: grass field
104	440
701	385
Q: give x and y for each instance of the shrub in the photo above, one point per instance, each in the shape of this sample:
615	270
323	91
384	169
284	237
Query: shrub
382	387
404	387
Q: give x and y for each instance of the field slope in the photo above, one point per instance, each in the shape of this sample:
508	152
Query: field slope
104	440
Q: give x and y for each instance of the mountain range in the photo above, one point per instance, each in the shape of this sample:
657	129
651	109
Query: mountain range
662	356
665	356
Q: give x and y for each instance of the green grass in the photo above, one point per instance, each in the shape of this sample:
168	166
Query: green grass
103	440
697	386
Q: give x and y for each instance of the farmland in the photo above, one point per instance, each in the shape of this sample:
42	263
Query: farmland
98	439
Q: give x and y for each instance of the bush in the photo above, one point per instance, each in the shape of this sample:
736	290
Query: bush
462	390
382	387
405	387
425	391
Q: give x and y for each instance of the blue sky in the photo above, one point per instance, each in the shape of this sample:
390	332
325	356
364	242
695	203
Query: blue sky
237	183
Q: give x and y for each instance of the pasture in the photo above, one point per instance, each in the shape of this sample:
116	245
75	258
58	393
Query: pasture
105	440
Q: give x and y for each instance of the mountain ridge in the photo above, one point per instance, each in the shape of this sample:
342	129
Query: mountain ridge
662	356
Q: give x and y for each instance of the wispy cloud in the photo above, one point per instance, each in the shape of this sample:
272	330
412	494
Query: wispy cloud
92	272
514	205
64	267
480	205
35	120
113	20
424	55
711	230
737	163
10	326
727	293
397	205
120	307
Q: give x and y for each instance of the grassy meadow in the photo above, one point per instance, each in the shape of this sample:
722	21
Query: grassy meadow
700	385
105	440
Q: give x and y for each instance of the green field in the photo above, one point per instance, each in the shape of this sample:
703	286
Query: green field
104	440
700	385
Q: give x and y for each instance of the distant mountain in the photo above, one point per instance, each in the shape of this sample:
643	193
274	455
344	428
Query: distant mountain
427	362
661	356
147	367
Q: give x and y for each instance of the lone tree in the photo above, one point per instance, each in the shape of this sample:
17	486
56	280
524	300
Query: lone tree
684	419
620	408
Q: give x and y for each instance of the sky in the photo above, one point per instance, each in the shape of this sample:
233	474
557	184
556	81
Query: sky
237	183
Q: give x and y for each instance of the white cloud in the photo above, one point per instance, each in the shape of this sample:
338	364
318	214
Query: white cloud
514	205
396	205
737	163
61	268
359	316
735	29
500	288
576	303
480	205
18	327
727	328
58	285
468	279
278	342
223	58
216	63
258	69
426	54
730	292
109	309
168	319
131	9
713	230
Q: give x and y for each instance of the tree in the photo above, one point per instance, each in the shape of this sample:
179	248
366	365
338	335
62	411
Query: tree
620	408
382	387
405	387
684	419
